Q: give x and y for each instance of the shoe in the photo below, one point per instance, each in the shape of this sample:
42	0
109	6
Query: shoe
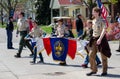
40	62
84	65
31	55
62	63
11	48
91	73
98	63
118	50
32	62
17	56
104	74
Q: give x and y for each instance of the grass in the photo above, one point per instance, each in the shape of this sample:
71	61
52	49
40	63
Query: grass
47	29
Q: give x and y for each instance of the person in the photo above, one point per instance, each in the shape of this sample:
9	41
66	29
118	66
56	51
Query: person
60	32
88	34
9	30
22	28
116	17
36	33
98	41
79	25
118	50
30	23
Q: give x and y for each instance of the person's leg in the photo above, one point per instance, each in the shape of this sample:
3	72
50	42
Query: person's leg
10	36
41	57
21	44
8	39
35	54
118	50
98	60
104	64
30	47
92	56
86	62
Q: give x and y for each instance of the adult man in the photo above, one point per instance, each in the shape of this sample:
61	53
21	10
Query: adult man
79	25
9	29
22	28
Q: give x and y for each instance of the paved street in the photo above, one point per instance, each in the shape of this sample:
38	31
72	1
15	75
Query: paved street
20	68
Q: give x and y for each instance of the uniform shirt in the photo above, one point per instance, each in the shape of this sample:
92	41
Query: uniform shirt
36	32
60	30
98	25
22	25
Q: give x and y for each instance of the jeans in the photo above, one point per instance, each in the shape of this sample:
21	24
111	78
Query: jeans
87	60
80	33
9	38
35	54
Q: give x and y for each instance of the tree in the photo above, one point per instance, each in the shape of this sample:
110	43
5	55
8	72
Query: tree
42	11
10	5
90	4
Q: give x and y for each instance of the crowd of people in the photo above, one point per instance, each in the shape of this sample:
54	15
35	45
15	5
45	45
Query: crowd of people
94	32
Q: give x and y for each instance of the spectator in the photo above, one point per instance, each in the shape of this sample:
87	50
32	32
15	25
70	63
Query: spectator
79	25
9	29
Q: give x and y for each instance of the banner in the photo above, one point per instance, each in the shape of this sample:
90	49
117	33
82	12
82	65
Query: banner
60	47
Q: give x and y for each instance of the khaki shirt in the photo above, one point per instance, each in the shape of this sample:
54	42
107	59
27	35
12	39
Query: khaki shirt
60	31
98	25
36	32
22	25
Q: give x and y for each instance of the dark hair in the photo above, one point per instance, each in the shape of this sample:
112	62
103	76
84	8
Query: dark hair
35	21
10	17
78	15
29	17
60	19
22	13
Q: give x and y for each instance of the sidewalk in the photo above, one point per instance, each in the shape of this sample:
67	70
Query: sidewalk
20	68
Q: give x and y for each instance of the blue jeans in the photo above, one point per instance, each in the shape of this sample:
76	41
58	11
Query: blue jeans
87	60
80	33
35	53
9	38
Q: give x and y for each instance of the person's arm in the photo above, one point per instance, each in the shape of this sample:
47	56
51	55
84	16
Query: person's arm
101	35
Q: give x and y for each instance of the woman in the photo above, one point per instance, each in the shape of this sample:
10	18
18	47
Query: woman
98	42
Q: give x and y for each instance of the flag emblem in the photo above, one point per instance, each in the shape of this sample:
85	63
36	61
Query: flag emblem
59	48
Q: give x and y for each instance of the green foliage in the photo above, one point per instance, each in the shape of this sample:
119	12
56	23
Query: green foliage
43	12
47	29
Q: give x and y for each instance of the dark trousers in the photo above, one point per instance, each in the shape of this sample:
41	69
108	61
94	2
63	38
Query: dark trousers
35	55
23	43
9	38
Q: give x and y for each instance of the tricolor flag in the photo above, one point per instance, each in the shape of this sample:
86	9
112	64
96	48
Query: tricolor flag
60	48
104	11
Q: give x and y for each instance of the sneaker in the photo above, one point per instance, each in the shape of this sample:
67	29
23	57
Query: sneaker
104	74
84	65
32	62
118	50
40	62
31	55
98	63
17	56
11	48
91	73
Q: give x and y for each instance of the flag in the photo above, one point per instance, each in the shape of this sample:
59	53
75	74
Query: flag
104	11
59	48
72	47
47	45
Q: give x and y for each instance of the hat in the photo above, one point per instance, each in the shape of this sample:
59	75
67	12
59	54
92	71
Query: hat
60	19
